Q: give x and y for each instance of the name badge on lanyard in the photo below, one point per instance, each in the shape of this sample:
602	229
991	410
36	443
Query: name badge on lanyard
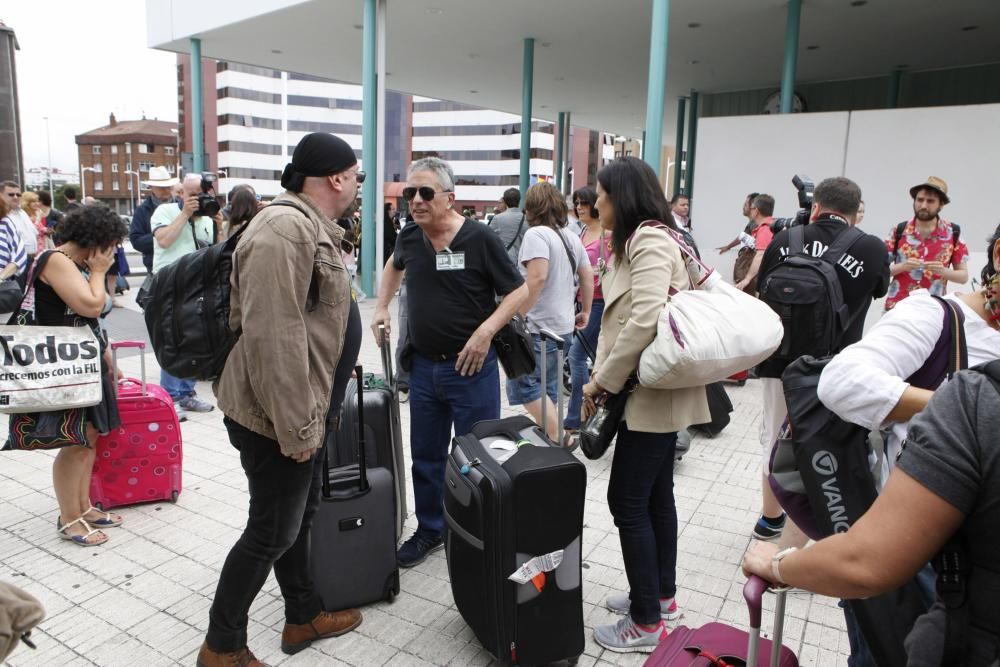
450	261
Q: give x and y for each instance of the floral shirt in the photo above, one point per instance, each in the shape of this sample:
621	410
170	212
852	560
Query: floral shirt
940	246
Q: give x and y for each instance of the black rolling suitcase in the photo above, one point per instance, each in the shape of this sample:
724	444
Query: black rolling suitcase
514	508
719	406
383	434
353	540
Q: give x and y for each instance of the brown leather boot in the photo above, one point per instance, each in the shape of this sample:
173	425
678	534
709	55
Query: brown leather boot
295	638
242	658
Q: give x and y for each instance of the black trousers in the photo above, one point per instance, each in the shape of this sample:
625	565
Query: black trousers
284	496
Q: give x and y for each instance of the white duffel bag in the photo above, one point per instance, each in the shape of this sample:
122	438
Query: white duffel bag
47	368
707	333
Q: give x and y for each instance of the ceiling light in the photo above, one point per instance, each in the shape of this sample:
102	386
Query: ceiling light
358	26
437	11
277	51
859	3
544	106
812	47
969	28
694	62
546	44
694	25
473	91
560	78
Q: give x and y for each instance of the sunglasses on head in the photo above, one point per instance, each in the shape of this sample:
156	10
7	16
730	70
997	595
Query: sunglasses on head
426	193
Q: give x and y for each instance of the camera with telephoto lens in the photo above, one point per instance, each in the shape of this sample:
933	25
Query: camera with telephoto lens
207	203
804	186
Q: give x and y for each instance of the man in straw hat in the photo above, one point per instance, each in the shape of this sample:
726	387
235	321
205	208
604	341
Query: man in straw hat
927	251
140	233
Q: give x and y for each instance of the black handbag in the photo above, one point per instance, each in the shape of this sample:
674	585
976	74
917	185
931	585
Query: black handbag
599	430
145	292
11	294
515	348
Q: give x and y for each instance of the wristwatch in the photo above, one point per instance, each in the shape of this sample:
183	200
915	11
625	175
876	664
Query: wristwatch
775	562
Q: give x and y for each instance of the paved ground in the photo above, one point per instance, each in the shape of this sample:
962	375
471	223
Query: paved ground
143	598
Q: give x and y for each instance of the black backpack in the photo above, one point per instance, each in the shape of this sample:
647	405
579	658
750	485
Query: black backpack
806	293
187	315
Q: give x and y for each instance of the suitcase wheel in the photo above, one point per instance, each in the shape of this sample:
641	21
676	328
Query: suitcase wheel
173	496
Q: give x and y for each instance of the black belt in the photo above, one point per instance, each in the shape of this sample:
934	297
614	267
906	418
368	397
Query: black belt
438	357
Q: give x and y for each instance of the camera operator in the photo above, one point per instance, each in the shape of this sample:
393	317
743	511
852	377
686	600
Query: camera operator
180	228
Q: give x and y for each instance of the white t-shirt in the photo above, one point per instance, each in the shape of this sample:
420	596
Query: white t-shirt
863	383
163	216
554	309
29	235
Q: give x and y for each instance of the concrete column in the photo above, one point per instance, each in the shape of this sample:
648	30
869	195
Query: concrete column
527	87
679	146
692	145
369	158
791	54
656	88
197	115
560	141
892	98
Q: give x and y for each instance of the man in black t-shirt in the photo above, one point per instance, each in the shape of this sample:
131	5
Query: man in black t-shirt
455	268
864	274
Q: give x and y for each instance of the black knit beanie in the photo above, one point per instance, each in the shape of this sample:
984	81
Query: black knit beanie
318	154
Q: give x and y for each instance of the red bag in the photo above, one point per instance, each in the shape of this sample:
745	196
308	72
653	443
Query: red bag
721	645
140	461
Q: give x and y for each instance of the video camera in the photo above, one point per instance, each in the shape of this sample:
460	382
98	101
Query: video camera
804	187
207	203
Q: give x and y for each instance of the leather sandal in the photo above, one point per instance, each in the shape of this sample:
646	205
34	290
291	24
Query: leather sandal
80	539
107	520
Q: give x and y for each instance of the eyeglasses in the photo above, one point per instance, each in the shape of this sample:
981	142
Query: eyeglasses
426	193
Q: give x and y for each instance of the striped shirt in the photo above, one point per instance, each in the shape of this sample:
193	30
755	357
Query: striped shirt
11	247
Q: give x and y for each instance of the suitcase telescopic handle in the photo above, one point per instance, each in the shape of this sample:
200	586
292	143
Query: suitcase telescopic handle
385	347
115	346
362	450
753	593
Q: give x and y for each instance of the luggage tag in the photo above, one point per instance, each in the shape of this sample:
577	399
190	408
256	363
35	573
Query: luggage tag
534	570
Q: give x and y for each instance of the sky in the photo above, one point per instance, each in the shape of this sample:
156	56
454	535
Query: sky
78	62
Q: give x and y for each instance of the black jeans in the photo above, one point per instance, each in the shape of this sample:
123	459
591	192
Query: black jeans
284	496
641	500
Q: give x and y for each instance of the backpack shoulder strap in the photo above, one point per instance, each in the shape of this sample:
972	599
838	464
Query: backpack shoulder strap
842	243
956	231
796	239
900	228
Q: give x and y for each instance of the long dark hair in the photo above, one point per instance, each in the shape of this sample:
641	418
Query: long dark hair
636	195
243	207
989	270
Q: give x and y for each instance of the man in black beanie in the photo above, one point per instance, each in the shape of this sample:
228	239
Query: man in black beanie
301	336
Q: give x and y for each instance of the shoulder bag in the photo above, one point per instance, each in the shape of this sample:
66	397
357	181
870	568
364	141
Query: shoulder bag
702	335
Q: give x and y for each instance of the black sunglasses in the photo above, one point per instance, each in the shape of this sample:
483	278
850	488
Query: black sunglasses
360	175
426	193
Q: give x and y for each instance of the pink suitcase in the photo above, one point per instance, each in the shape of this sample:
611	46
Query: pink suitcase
721	645
140	461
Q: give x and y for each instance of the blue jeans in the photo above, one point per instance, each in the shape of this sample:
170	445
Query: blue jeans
176	387
528	388
641	500
284	495
578	364
439	399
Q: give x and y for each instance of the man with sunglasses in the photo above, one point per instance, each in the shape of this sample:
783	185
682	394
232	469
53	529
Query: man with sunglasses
301	337
455	269
22	223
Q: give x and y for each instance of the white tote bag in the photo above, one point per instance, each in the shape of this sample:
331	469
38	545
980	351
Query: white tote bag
707	333
47	368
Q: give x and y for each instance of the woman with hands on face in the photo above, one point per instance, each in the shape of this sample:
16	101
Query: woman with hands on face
70	291
647	262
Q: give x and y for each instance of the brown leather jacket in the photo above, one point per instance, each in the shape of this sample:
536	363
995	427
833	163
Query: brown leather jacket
291	296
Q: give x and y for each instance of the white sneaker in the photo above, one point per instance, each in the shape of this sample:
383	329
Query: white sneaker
620	603
627	637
